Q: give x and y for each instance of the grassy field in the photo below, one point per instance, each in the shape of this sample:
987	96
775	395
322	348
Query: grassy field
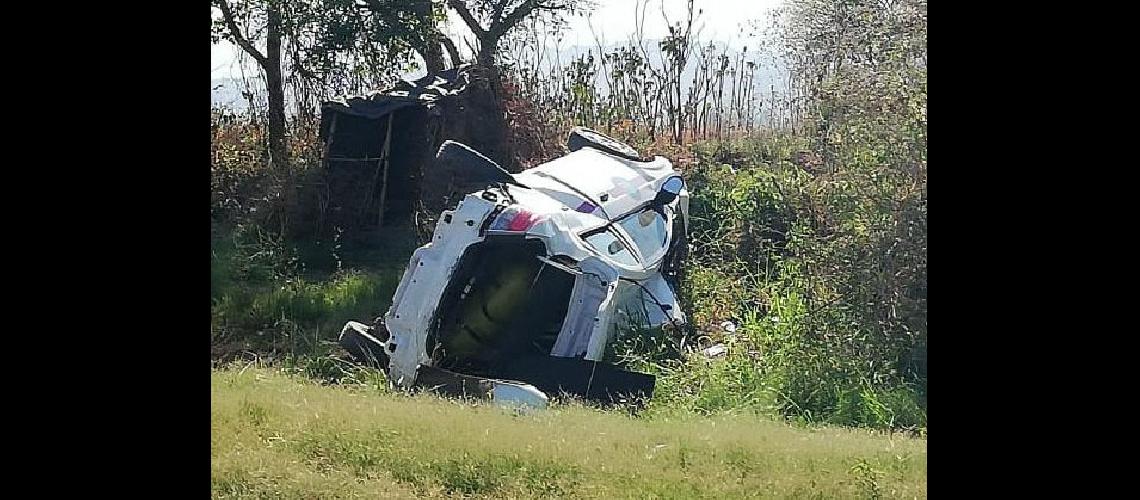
281	436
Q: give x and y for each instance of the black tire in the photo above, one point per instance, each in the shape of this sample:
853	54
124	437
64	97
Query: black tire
581	137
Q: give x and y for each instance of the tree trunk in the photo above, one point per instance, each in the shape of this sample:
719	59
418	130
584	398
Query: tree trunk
278	151
432	53
486	56
275	85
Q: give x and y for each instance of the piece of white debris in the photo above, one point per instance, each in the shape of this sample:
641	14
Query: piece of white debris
715	351
728	326
518	396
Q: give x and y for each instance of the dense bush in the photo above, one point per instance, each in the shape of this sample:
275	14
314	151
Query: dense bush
274	286
813	243
810	331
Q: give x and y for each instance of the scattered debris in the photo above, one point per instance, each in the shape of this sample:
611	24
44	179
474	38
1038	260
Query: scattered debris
715	351
520	396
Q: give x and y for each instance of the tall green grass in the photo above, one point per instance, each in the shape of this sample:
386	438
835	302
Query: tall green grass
264	298
275	435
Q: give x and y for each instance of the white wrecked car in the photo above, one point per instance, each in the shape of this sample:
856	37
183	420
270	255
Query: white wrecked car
527	278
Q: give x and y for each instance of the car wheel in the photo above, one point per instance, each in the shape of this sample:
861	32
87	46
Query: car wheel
581	137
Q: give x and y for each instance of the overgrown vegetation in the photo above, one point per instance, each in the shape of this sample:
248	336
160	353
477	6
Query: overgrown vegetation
808	259
809	241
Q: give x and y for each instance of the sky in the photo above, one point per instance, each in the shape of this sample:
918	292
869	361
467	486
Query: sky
613	20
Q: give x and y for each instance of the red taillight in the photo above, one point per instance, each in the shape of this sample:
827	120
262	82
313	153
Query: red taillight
522	221
516	219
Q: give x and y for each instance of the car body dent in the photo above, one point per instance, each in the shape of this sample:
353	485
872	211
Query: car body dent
555	203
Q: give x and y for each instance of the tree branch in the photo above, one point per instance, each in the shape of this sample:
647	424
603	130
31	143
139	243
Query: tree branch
451	50
424	39
469	19
501	26
228	17
498	13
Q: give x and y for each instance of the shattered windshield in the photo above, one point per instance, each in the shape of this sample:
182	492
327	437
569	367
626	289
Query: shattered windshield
610	246
649	233
645	229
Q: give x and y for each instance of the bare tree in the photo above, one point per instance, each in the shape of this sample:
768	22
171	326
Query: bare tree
270	63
